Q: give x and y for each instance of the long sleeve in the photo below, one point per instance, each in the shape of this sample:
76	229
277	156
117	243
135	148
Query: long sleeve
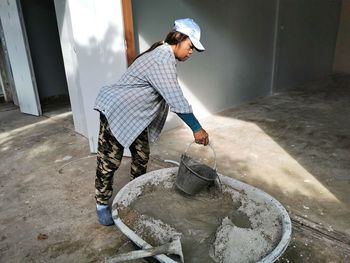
191	121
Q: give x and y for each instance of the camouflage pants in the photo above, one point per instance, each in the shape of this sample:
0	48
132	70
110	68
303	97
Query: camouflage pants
109	156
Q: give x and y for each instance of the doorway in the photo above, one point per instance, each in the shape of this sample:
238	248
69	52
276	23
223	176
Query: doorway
7	90
40	23
307	39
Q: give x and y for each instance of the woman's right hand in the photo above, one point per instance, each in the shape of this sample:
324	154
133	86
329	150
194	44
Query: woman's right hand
201	137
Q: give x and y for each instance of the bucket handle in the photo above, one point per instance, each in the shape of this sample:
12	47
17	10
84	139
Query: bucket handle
211	147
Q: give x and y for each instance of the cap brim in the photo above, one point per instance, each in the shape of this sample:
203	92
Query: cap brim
198	45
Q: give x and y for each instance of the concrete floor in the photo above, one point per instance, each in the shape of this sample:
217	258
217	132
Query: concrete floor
295	146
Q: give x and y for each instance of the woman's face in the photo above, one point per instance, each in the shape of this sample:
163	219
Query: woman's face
183	50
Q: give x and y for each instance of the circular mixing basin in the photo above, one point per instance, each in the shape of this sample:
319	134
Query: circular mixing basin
239	224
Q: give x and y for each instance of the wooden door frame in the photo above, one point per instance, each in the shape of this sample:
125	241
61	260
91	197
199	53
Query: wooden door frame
129	30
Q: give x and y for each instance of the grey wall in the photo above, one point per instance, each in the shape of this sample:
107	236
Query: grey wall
240	61
307	38
342	55
238	36
45	49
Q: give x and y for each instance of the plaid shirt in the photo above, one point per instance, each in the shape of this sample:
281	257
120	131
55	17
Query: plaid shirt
142	97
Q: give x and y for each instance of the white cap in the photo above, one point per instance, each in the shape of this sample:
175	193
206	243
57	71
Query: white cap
191	29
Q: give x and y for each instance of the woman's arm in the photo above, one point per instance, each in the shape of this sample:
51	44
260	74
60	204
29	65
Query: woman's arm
191	121
200	135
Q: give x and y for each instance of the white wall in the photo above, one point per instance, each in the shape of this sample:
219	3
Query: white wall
71	65
19	58
92	40
342	54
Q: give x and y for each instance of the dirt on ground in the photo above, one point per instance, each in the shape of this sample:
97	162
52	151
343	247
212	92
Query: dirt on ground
293	145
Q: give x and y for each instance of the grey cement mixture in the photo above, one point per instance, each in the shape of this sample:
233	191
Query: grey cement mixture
213	227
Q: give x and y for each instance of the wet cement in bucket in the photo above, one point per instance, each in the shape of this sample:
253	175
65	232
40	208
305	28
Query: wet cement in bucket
213	226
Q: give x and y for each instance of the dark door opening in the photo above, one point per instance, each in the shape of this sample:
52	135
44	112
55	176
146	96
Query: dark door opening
44	43
7	90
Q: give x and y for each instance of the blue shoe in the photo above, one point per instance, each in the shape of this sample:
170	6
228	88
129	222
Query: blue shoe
104	215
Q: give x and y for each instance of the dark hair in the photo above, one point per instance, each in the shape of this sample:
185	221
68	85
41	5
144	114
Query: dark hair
173	38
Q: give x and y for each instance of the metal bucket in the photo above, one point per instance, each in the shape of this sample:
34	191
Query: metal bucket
193	176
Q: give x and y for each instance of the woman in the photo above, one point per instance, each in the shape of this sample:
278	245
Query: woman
135	108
